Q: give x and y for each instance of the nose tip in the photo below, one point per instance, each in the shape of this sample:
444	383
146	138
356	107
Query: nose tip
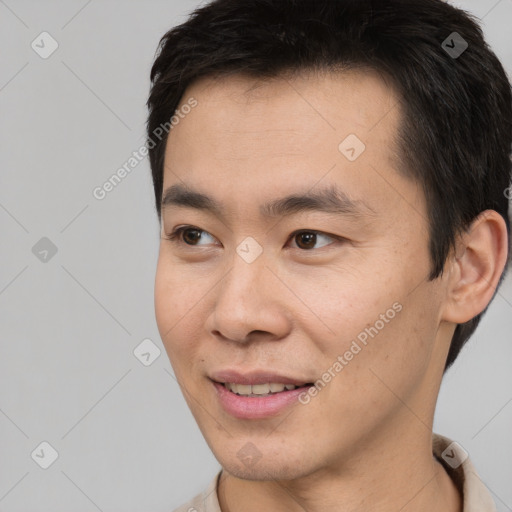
243	320
240	335
247	305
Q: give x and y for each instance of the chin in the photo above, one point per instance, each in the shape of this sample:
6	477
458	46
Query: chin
264	472
260	466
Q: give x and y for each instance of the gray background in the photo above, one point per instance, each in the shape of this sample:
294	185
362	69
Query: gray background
68	375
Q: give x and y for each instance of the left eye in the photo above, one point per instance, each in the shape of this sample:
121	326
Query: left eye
306	240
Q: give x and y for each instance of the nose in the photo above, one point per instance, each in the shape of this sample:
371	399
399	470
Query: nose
249	304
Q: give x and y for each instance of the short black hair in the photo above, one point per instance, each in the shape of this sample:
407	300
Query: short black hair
456	133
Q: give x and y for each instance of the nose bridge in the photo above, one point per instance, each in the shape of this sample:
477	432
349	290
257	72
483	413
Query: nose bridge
247	267
243	285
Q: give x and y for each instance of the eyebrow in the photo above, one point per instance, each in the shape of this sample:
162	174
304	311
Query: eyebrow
329	200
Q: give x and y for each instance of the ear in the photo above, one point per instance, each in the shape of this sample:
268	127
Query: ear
476	267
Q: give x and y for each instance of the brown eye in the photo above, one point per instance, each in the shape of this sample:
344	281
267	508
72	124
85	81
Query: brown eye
188	235
306	240
191	235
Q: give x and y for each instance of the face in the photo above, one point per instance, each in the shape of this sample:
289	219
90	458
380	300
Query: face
329	289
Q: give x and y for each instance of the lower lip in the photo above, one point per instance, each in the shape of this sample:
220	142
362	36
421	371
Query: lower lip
248	407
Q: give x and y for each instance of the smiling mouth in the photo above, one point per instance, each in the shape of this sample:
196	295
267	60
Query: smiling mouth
261	390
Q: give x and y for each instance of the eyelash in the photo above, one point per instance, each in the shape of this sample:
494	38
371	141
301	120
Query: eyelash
175	236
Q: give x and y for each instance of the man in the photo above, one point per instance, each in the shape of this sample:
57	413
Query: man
333	205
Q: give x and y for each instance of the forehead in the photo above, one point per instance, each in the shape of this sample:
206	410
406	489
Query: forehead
328	95
246	117
249	137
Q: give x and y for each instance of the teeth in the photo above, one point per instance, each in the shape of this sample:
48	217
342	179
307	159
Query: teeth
276	388
258	389
244	389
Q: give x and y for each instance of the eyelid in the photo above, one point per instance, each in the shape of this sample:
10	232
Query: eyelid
315	231
175	236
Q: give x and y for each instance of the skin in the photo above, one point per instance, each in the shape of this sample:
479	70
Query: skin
364	442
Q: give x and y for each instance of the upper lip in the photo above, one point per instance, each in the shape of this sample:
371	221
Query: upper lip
254	377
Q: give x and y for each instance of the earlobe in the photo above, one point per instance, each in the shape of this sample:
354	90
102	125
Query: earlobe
476	267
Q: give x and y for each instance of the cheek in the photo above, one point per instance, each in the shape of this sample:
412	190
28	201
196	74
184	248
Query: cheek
166	301
176	310
396	350
336	306
372	320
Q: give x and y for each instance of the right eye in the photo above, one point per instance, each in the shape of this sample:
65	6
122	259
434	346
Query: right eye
185	234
